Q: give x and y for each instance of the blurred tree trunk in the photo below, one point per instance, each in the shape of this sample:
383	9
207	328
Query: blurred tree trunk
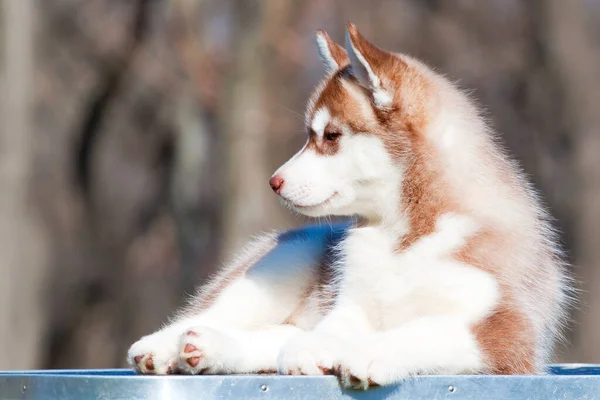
578	64
195	192
244	129
22	248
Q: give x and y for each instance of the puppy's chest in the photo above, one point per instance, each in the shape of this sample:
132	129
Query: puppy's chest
393	286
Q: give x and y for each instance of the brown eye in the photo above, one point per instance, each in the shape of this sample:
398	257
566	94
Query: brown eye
330	137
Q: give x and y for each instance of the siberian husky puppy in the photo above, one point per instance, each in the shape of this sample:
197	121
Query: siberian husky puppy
453	268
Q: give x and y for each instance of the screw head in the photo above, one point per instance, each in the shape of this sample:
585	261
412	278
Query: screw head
451	389
264	388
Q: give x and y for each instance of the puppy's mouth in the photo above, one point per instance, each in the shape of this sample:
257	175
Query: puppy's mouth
310	206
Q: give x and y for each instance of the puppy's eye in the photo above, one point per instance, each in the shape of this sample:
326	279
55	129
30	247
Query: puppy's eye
330	137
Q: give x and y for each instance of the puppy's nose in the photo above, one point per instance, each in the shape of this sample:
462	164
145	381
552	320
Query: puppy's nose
276	183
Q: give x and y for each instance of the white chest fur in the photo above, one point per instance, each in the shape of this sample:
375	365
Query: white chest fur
423	280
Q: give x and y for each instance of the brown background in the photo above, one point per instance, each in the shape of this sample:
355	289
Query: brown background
138	137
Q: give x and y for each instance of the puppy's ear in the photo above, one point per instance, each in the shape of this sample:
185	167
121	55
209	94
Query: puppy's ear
369	65
332	54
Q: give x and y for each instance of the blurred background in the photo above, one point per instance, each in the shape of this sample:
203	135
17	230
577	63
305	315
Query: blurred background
138	136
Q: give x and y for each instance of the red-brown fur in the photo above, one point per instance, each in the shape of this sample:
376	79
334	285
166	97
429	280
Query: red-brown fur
506	336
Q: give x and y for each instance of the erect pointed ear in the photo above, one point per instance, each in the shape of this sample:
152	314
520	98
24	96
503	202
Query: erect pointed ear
367	65
332	54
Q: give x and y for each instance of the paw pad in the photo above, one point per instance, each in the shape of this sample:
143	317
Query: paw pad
190	348
150	364
193	361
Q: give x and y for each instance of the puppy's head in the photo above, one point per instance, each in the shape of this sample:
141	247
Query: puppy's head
360	122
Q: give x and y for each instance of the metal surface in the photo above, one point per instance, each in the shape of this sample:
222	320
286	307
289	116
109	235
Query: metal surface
580	382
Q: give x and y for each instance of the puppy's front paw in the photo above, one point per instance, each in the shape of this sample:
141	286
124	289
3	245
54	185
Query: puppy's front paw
204	350
309	354
364	367
356	374
155	353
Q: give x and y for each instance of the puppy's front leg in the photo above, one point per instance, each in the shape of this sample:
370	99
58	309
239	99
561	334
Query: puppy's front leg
317	352
428	345
259	289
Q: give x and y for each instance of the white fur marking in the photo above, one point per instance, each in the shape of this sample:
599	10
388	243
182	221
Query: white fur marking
320	121
382	98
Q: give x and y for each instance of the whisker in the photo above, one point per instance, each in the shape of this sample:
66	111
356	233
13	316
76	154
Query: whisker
294	113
